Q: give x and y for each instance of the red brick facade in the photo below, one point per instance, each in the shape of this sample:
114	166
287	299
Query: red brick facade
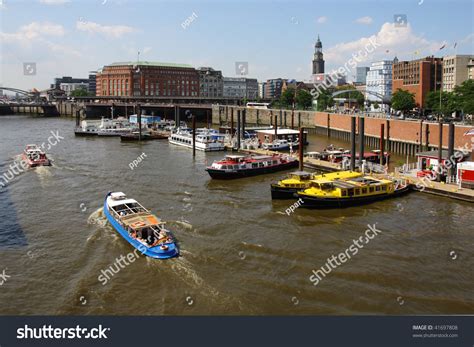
147	79
418	77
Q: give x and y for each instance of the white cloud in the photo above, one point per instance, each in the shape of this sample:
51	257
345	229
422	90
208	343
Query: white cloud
114	31
400	41
54	2
33	31
322	20
364	20
147	50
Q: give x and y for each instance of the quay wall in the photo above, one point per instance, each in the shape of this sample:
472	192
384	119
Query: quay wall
401	136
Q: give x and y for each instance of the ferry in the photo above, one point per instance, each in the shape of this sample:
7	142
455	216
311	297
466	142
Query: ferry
327	193
143	230
239	166
207	141
301	180
34	156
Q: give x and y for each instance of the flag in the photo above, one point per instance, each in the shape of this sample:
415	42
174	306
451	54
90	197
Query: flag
455	44
416	52
387	51
442	47
469	133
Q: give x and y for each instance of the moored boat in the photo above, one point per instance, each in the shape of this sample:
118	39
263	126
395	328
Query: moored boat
34	156
239	166
139	227
206	140
146	136
300	180
324	193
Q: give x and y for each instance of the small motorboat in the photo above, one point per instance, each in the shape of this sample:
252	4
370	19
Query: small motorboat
326	193
239	166
139	227
34	156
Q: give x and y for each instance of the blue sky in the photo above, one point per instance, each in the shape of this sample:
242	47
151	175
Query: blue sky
276	38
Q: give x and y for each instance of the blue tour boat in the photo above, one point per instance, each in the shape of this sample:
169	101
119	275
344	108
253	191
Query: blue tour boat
139	227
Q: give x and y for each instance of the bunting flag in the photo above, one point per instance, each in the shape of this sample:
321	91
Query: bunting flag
442	47
469	132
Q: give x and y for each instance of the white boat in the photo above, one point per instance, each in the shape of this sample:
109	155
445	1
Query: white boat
280	145
104	127
206	141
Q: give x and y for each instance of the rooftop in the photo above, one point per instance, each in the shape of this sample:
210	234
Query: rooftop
150	63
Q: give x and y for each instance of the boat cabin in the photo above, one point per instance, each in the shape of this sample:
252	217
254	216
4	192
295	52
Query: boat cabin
358	186
429	160
138	221
266	136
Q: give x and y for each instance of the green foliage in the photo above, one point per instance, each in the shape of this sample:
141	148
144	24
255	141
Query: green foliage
304	99
449	103
376	105
353	94
403	100
287	97
80	92
325	100
464	96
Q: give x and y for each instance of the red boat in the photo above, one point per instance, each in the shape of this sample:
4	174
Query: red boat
239	166
34	156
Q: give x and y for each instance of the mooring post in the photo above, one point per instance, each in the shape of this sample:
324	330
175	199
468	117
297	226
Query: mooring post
244	118
194	135
275	126
78	122
238	129
427	137
420	147
440	149
300	149
207	119
353	142
451	149
293	118
382	142
139	118
231	122
361	140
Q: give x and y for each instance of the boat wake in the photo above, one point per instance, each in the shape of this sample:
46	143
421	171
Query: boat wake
184	224
97	218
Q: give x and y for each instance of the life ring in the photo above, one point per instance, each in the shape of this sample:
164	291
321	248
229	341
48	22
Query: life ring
138	224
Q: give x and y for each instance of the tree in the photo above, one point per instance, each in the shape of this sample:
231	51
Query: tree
449	102
287	97
325	100
80	92
376	105
304	99
403	100
464	96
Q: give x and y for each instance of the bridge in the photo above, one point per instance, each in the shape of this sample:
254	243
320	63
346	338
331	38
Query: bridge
384	99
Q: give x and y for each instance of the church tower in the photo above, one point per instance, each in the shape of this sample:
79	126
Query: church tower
318	61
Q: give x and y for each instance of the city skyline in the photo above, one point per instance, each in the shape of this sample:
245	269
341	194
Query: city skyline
277	39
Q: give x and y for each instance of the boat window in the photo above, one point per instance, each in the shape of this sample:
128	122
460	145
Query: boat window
236	167
384	188
274	162
371	189
364	190
357	191
260	164
254	165
224	167
377	189
343	192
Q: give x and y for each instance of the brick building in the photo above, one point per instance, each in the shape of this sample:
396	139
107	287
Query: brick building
211	82
147	79
418	77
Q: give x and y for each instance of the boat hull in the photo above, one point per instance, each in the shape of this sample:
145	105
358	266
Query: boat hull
152	252
83	133
283	193
231	174
322	203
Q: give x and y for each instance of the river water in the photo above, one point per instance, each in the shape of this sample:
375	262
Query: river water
240	252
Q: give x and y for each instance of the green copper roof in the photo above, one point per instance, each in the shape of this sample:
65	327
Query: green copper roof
150	63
